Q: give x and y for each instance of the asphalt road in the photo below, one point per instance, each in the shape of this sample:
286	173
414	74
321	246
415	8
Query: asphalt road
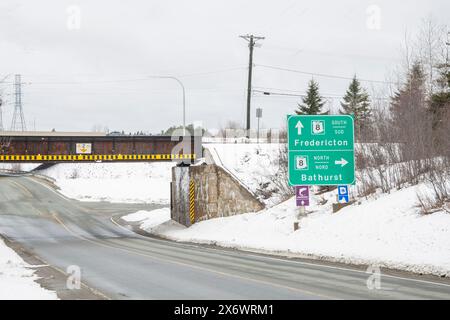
124	265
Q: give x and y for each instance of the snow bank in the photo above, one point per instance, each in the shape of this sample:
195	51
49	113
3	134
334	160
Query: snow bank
386	231
18	166
252	164
114	182
17	281
149	219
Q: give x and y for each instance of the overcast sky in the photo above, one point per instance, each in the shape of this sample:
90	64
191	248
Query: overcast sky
96	72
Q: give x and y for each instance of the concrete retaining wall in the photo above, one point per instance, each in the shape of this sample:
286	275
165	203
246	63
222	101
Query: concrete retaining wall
216	194
179	201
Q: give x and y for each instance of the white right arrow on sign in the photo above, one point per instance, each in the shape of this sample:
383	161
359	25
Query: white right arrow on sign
342	162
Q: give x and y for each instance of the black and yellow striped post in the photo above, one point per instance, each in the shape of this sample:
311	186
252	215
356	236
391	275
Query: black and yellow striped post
192	202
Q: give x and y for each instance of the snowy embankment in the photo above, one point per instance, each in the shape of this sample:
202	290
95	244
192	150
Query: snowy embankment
17	279
385	230
254	165
113	182
18	167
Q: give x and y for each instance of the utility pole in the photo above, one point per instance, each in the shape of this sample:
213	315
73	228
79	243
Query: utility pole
251	39
18	121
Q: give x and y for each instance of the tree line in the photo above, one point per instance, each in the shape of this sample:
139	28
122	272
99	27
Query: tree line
404	138
356	102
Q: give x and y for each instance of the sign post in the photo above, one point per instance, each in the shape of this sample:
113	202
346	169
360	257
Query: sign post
302	200
259	116
320	152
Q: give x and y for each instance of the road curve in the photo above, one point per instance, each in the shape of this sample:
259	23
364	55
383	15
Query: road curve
124	265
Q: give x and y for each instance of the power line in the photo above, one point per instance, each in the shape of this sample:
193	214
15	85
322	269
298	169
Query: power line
277	90
322	74
270	93
136	79
303	94
281	47
211	72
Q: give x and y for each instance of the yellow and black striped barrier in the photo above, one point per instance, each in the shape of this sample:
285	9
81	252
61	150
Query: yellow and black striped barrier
95	157
192	202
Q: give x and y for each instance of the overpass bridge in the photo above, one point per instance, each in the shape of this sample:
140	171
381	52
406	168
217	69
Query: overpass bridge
57	147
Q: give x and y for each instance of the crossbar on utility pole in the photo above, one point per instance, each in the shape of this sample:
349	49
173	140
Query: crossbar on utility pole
251	44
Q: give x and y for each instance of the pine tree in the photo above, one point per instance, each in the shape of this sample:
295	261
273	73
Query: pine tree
313	102
411	122
356	102
411	95
440	100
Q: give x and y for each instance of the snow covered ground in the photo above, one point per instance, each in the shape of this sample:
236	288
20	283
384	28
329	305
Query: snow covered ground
18	166
17	280
385	230
252	164
114	182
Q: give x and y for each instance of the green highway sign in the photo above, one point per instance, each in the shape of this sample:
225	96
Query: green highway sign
321	150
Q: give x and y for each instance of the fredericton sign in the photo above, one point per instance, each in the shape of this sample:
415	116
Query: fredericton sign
321	150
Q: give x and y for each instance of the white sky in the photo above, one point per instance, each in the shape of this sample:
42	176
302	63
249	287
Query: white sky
70	75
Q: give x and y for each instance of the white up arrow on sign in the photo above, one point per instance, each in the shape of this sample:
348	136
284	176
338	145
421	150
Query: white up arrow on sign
299	127
342	162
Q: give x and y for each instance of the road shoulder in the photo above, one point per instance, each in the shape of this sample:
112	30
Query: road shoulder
52	278
306	259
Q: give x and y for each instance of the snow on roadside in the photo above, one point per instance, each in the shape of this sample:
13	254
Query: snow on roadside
253	164
149	219
386	231
17	280
113	182
18	166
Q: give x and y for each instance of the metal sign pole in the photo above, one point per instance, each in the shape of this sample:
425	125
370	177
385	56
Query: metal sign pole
302	200
257	137
258	116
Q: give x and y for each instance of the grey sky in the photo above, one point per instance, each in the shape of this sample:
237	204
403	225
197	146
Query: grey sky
71	75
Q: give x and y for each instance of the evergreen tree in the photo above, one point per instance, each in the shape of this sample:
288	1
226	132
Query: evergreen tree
356	102
411	122
411	95
313	102
440	100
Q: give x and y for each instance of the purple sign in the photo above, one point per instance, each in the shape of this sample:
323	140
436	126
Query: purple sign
302	195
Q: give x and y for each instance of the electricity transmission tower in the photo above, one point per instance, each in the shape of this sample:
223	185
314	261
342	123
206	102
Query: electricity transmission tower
251	39
18	120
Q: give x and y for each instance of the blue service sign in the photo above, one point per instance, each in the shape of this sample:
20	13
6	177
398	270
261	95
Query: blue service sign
343	196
